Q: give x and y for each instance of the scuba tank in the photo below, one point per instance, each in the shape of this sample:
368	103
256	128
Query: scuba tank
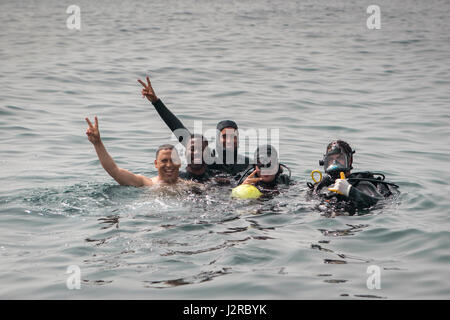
374	177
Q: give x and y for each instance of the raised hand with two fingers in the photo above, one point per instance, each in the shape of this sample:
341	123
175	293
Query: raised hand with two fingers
251	178
148	91
92	132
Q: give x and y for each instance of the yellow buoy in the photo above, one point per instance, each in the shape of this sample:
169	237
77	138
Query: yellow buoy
246	191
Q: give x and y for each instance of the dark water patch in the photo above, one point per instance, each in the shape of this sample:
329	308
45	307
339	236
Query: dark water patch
344	232
370	296
96	282
110	221
331	128
384	235
406	42
10	109
98	242
199	278
318	247
340	255
234	230
307	69
17	128
226	244
263	238
331	261
335	281
229	94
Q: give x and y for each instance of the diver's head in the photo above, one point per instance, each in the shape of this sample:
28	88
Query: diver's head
168	163
338	158
195	151
228	135
267	164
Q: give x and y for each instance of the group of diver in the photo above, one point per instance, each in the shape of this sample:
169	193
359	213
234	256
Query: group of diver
338	188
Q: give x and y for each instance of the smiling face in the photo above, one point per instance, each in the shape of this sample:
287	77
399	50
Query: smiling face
168	164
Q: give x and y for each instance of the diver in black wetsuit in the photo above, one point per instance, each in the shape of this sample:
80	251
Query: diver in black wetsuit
227	161
358	190
196	151
267	174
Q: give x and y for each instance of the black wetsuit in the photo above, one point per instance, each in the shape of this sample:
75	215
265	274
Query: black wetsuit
363	194
240	163
272	188
236	169
280	179
171	120
205	177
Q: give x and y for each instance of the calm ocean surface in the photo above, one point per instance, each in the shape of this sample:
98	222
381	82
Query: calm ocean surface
312	69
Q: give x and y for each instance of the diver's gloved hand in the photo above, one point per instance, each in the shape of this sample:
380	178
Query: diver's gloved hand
341	186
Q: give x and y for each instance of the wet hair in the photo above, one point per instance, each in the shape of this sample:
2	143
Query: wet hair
343	145
226	124
166	146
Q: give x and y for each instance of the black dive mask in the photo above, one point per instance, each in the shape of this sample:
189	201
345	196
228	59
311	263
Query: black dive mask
266	158
336	161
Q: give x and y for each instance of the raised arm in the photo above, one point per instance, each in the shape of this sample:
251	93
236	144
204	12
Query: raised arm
171	120
122	176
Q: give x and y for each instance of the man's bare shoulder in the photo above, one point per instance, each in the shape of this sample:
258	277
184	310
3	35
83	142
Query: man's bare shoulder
146	181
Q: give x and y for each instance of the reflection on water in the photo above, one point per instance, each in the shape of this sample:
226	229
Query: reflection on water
344	232
96	282
139	232
199	278
110	221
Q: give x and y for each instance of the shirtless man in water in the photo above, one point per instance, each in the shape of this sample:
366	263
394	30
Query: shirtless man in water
167	162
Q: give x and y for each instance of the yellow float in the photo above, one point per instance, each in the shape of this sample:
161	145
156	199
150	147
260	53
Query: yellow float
246	191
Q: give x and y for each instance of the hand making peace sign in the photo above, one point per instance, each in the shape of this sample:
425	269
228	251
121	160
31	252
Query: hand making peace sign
251	178
92	132
148	91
